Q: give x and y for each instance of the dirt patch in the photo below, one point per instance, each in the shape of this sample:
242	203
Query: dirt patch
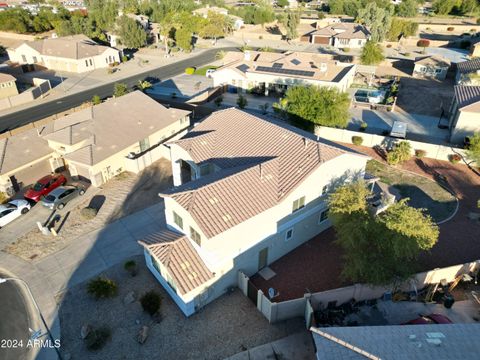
417	96
228	325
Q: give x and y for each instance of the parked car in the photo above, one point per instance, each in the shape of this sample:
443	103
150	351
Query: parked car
12	210
430	319
44	186
59	197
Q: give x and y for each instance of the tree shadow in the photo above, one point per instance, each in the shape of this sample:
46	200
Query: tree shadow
97	202
437	177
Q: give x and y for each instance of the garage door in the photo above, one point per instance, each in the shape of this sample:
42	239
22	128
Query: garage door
31	174
321	40
83	173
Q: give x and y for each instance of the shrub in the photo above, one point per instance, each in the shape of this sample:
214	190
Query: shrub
454	158
3	197
423	43
96	100
389	46
400	153
116	63
473	30
242	101
346	49
131	267
124	58
407	54
450	28
88	213
110	71
218	101
151	302
97	338
189	70
363	126
357	140
420	153
102	287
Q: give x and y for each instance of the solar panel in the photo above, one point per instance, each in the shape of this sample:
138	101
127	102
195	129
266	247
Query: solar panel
277	65
285	71
243	67
295	62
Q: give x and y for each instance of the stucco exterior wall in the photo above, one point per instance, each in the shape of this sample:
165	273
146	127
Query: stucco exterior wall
466	124
8	88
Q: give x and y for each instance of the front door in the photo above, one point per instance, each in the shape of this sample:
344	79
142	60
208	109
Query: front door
262	258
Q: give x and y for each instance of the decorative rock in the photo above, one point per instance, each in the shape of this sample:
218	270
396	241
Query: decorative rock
85	330
129	298
143	334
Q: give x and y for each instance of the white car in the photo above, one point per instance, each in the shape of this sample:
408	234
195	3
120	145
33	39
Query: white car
12	210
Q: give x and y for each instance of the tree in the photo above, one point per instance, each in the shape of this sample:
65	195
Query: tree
401	27
316	105
218	101
282	3
468	7
380	248
131	33
473	152
424	43
443	7
183	38
372	54
242	101
400	153
144	85
120	89
218	25
377	19
407	8
290	21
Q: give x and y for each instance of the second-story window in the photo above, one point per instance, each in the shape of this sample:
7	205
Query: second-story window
298	204
178	220
195	236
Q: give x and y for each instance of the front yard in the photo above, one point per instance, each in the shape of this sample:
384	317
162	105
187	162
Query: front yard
225	327
422	192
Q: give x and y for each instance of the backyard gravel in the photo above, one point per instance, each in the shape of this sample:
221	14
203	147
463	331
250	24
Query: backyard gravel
225	327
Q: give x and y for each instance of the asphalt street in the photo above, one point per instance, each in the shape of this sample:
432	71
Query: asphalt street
26	116
14	322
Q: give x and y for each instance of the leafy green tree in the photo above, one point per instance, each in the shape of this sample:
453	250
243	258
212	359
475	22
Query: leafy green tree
282	3
131	33
407	8
473	152
401	27
242	101
380	248
377	19
400	153
290	21
218	25
183	38
372	54
443	7
102	14
120	89
469	7
347	7
16	20
316	105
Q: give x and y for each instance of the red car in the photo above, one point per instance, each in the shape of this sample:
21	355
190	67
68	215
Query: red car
43	186
430	319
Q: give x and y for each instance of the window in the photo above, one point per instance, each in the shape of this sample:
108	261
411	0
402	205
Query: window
91	62
289	234
86	63
106	60
178	220
195	236
298	204
24	58
35	60
359	42
323	216
144	145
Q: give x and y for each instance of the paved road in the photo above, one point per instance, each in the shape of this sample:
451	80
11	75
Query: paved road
26	116
14	321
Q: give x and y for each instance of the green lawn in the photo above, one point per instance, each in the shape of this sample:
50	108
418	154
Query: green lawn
203	70
422	192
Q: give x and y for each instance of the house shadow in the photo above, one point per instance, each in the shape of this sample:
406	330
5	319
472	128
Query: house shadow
436	175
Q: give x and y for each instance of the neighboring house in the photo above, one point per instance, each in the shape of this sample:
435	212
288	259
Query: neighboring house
75	54
468	72
432	66
464	113
247	191
340	35
263	72
8	87
203	12
397	342
95	144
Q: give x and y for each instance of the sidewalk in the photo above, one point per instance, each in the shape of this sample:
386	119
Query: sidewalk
86	257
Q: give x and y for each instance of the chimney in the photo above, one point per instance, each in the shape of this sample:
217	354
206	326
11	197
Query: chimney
246	55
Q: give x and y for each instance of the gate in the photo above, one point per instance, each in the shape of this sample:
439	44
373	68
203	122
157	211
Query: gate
252	292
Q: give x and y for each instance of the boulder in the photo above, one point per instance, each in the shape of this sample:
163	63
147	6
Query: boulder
143	334
129	298
85	330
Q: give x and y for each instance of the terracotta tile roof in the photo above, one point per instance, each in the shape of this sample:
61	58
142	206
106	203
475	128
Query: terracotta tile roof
178	255
261	162
343	31
6	78
466	67
466	95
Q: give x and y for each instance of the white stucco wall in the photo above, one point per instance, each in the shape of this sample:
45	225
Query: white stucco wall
466	124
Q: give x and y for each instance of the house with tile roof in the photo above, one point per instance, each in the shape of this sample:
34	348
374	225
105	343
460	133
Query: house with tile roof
340	35
247	190
94	144
265	72
468	72
76	53
431	66
8	86
464	113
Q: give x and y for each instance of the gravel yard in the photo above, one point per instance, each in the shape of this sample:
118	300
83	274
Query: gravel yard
228	325
119	197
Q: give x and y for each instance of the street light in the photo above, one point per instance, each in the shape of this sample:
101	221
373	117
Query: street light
36	334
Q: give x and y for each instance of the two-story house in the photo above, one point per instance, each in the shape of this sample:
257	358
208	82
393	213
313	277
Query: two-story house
247	191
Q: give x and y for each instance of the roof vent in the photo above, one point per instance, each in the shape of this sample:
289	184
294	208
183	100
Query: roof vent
323	67
247	55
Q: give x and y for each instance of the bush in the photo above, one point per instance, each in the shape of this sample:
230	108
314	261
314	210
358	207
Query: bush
389	46
346	49
357	140
131	267
102	287
218	101
189	70
242	101
363	126
454	158
450	28
151	302
423	43
400	153
88	213
96	100
3	197
124	58
407	54
97	338
420	153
